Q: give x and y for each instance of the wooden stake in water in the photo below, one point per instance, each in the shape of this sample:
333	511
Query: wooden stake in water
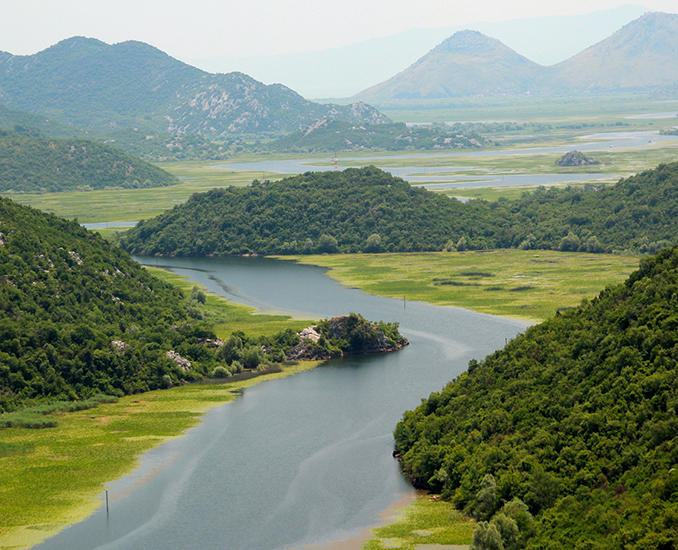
106	502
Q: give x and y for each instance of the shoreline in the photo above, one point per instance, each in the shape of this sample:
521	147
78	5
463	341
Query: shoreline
86	440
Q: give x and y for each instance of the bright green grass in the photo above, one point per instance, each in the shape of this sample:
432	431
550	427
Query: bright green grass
55	476
230	316
521	284
423	522
52	477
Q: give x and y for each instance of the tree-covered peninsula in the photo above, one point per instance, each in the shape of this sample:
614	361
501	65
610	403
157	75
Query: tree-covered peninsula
568	437
33	164
79	318
368	210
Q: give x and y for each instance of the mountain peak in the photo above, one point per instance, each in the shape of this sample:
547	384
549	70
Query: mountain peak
469	43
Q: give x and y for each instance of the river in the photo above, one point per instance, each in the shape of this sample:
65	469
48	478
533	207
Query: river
294	463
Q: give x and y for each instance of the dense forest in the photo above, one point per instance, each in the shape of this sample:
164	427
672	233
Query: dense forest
32	164
368	210
568	437
78	317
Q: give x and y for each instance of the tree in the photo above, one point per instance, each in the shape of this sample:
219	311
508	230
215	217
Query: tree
487	537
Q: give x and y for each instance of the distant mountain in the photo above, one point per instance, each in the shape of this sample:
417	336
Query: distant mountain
86	82
344	71
36	165
467	63
640	56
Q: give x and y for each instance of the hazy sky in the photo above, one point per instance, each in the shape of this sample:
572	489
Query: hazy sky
203	28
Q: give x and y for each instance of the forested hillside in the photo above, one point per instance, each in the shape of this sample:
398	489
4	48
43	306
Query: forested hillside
368	210
31	164
79	316
577	419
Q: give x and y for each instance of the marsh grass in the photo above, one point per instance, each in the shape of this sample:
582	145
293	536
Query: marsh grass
522	284
423	522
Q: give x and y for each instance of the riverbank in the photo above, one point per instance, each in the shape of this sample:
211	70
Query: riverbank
54	477
528	285
58	476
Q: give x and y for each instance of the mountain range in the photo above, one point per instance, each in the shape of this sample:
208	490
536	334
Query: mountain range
641	56
86	82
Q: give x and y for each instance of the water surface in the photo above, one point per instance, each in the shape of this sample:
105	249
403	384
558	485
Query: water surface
298	461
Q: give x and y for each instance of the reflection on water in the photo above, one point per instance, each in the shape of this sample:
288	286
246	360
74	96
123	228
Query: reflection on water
305	460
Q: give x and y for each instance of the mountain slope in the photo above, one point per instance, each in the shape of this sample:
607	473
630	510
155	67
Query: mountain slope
576	418
467	63
79	316
86	82
641	55
37	165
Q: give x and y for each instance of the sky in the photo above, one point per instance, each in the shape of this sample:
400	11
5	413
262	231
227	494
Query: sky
204	28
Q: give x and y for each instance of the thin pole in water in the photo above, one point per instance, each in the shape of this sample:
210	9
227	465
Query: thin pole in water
106	502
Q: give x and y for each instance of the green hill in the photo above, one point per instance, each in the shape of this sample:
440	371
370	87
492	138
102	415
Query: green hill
37	165
328	135
88	83
76	314
576	418
369	210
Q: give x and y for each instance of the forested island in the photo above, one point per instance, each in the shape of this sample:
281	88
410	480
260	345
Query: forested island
368	210
76	317
30	163
567	437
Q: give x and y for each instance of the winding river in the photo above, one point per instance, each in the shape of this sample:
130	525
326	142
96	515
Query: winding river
294	463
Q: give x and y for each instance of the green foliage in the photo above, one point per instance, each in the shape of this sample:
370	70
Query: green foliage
308	213
76	315
576	418
38	165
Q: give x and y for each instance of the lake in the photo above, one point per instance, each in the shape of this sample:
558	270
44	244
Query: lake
298	462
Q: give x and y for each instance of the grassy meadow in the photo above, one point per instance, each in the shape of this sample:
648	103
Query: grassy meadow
529	285
52	477
426	521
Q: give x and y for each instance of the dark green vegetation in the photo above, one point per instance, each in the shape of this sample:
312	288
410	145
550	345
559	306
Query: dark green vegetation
87	83
30	164
327	135
576	418
575	158
368	210
638	57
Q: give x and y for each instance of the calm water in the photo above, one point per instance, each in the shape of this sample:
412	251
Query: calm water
423	175
301	461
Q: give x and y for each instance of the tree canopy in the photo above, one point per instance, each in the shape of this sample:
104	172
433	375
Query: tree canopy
575	421
368	210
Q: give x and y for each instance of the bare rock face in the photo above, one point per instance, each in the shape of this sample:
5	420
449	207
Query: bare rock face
575	158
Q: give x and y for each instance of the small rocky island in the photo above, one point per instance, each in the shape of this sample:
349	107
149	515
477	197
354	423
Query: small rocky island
345	335
575	158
